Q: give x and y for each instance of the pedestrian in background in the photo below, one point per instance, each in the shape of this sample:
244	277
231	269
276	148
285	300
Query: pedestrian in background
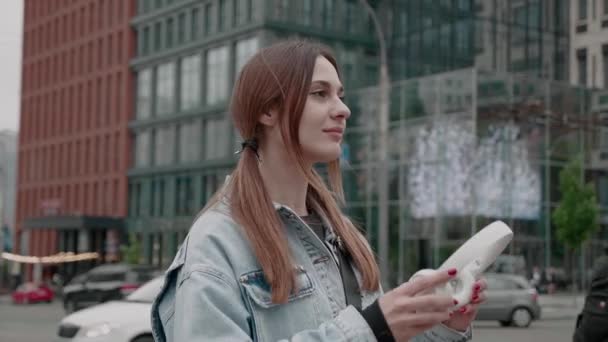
272	257
592	322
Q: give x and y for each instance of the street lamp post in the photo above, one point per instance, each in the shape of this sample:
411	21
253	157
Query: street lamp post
383	89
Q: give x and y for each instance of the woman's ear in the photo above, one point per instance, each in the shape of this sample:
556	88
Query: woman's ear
269	118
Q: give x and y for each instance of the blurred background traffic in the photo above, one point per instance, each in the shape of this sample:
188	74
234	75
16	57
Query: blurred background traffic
464	112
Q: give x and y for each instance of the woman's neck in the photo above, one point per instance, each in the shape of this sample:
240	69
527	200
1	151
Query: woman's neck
283	179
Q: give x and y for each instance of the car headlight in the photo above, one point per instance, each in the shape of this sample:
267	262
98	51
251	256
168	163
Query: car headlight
100	329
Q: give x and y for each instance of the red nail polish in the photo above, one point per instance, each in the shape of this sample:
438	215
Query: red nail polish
477	288
455	302
452	272
475	297
451	314
463	309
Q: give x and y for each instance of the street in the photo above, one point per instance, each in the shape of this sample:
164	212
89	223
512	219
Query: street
541	331
29	323
38	323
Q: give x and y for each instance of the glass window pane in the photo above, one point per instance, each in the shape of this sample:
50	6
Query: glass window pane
245	49
217	75
142	149
165	143
217	139
144	94
190	142
165	88
190	82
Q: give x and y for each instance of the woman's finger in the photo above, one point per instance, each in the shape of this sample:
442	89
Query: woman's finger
426	282
426	318
479	298
427	303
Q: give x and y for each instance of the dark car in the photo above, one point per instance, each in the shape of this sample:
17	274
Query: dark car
511	300
104	283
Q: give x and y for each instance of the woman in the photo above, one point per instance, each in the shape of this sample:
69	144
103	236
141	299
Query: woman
271	257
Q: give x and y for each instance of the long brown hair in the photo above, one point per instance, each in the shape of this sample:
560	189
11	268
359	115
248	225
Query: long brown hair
278	78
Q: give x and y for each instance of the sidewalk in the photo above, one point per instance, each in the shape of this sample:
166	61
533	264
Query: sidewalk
561	305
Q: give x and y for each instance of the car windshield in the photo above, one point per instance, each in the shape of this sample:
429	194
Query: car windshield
147	292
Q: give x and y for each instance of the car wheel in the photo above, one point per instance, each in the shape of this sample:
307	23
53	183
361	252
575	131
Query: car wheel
505	323
521	317
143	338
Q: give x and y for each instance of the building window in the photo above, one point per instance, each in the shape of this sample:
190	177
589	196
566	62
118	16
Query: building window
328	13
223	15
282	8
158	33
217	139
170	28
245	49
208	15
582	9
145	44
194	24
581	57
164	146
190	142
242	12
142	149
605	7
307	11
190	93
181	28
605	64
144	94
165	89
184	199
348	17
217	75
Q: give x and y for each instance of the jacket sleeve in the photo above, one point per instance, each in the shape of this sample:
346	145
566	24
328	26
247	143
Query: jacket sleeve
209	307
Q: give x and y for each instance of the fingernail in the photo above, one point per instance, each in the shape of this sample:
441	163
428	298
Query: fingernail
455	302
451	314
475	297
477	288
452	272
463	309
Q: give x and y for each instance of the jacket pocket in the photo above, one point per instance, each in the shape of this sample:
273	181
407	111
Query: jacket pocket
269	321
258	290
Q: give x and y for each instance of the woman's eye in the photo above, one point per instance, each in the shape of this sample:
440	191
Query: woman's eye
320	93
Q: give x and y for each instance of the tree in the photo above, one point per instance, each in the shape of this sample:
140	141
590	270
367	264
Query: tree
576	216
131	252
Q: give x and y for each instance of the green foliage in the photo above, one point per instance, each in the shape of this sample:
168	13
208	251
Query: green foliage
131	252
576	217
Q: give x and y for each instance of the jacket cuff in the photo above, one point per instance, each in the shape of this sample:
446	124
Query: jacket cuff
377	322
443	333
353	325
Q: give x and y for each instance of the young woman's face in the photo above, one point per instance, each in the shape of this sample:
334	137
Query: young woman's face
324	117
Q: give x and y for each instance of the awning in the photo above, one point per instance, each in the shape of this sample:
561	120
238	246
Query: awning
74	222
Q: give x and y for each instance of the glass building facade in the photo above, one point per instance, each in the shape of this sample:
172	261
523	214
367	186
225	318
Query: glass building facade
188	55
477	114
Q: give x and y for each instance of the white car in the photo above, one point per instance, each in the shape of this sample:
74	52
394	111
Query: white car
126	320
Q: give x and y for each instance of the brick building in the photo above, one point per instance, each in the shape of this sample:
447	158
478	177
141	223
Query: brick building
74	144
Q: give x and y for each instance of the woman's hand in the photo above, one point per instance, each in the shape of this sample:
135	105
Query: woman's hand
408	311
463	317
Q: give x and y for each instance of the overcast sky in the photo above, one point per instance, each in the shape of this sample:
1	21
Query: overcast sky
11	29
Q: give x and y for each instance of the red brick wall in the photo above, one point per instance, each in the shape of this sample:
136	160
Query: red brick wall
77	99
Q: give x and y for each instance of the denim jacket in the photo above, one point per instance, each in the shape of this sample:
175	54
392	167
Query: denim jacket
215	290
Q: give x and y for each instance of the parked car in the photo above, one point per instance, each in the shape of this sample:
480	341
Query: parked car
104	283
125	320
511	300
32	293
